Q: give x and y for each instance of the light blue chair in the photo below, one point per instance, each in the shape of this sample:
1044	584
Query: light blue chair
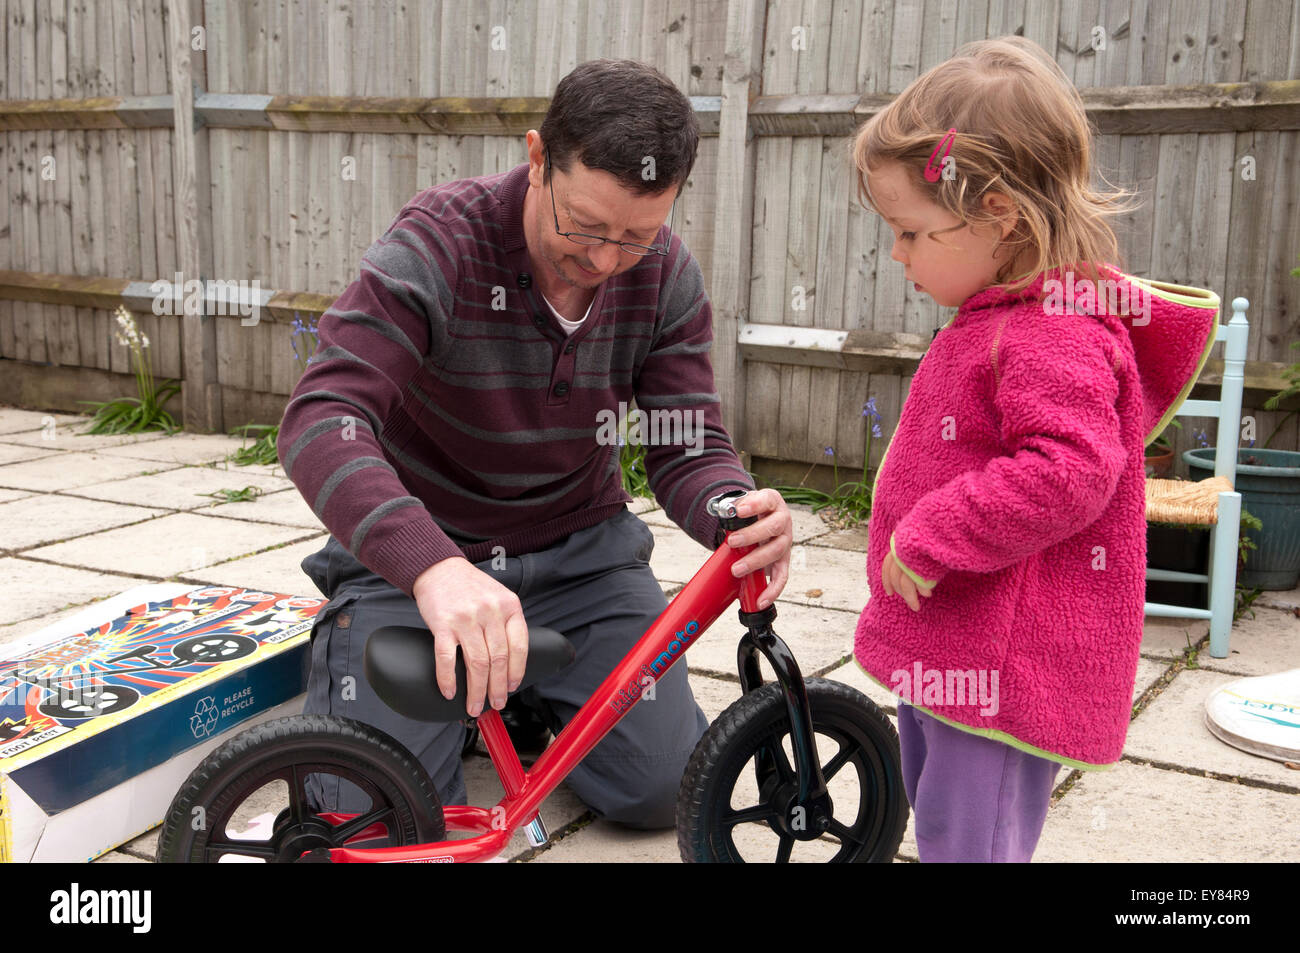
1210	501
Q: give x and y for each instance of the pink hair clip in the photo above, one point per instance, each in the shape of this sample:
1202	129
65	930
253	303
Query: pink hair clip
934	170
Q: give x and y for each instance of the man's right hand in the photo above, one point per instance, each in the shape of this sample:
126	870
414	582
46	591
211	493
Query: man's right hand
464	606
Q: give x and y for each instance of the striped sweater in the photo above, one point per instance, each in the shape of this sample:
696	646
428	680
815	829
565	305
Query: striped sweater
445	413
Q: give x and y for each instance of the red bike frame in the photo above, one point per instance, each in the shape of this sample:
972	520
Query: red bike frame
677	628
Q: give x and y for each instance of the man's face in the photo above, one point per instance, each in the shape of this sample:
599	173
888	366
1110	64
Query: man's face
593	202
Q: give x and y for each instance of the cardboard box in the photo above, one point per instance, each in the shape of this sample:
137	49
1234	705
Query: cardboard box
104	714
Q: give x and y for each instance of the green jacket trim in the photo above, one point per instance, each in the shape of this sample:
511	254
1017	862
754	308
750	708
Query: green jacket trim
1195	298
923	583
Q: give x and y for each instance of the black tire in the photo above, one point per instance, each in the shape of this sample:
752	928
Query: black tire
214	648
869	804
403	797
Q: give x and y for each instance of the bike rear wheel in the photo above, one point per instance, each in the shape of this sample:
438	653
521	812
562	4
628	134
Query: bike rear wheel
268	766
735	802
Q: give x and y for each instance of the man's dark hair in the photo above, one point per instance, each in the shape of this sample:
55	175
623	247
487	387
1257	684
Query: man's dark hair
624	118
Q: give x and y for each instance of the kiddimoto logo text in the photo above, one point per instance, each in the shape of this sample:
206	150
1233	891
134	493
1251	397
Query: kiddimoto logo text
628	695
1085	296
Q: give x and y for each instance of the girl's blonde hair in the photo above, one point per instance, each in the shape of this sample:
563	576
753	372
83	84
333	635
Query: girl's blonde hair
1021	131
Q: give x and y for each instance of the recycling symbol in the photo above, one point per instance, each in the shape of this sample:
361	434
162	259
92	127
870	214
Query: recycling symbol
205	717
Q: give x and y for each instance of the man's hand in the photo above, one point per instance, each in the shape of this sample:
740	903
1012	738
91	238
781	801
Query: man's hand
464	606
898	582
772	535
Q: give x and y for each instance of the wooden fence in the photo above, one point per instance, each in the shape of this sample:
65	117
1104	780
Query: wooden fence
300	129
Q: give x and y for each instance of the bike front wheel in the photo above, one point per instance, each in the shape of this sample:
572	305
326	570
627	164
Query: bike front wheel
736	802
222	812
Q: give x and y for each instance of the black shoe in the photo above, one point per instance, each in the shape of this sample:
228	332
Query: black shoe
527	730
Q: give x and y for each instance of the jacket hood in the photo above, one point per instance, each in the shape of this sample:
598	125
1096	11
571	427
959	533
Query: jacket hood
1171	328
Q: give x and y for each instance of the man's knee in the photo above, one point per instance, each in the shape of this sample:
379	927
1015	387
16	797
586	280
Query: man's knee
642	796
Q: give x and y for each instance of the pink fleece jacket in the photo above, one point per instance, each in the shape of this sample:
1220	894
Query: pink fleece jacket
1014	486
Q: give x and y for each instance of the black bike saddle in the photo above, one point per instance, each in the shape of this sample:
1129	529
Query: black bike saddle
400	666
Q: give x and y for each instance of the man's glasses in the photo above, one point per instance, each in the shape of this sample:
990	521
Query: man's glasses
582	238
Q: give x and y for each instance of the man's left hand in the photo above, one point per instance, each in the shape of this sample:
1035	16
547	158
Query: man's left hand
772	536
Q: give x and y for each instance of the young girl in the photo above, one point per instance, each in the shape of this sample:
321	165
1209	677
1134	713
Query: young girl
1007	547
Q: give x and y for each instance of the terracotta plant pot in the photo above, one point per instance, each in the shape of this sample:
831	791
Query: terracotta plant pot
1159	462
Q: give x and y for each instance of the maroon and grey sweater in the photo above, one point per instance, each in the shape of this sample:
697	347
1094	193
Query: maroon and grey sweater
445	413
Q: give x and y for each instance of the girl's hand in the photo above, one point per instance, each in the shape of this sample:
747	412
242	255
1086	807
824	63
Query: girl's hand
897	582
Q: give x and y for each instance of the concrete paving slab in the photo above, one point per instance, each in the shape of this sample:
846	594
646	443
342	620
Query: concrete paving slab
676	556
285	507
168	546
34	589
483	788
832	578
1171	731
713	695
188	448
182	488
1270	642
16	453
654	517
146	845
1169	638
643	504
1138	813
119	857
603	842
807	524
15	420
66	471
854	538
50	517
1279	599
818	636
1149	672
266	469
71	439
16	631
278	570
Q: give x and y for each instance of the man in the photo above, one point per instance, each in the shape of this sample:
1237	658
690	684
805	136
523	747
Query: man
446	433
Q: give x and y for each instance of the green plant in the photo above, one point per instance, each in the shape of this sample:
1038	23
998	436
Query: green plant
1242	603
1244	543
1292	375
261	451
850	502
246	495
1163	442
134	414
632	461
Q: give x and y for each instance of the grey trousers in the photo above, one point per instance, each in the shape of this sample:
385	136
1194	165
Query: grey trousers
597	589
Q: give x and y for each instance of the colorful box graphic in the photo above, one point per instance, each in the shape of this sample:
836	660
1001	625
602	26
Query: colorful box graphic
104	714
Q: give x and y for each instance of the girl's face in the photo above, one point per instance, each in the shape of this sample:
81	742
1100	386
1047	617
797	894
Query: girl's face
949	267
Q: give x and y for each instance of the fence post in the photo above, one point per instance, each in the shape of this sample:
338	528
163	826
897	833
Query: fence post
734	210
201	393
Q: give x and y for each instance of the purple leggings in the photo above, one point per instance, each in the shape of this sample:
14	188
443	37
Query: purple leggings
973	799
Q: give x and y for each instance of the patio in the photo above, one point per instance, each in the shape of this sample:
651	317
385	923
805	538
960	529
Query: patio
84	518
